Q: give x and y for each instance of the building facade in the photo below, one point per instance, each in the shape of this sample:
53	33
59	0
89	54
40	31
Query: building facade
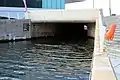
13	9
47	4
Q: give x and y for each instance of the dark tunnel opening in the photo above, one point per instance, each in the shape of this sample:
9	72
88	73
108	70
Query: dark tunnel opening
64	31
71	31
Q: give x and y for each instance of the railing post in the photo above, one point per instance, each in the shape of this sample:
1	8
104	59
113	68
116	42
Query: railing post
26	15
18	17
17	14
8	15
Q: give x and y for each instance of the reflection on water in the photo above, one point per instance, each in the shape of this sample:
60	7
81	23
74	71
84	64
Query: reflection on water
30	60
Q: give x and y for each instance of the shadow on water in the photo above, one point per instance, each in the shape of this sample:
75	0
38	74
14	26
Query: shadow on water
45	59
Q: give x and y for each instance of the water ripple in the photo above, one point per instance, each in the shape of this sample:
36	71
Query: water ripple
25	61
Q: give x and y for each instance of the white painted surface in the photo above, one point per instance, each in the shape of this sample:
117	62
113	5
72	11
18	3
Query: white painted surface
80	5
98	4
115	9
84	15
90	4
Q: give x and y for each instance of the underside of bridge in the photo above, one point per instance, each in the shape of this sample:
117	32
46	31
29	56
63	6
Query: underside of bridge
64	30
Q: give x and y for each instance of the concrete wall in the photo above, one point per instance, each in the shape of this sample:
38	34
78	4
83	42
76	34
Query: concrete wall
14	29
91	30
11	29
90	15
42	29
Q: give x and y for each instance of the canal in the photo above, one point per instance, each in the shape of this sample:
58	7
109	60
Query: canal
44	59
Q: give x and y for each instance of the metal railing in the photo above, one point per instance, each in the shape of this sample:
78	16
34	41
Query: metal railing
12	14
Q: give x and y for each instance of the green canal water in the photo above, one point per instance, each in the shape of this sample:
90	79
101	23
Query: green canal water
43	59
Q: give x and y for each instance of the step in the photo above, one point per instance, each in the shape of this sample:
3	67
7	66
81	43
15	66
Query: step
114	56
117	35
114	43
118	26
113	49
117	31
117	39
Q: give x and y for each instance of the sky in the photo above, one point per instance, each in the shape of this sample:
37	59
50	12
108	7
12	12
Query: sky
99	4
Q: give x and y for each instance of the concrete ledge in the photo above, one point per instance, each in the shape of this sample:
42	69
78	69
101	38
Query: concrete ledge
83	15
102	69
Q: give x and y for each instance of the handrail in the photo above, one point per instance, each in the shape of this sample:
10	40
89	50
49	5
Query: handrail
12	14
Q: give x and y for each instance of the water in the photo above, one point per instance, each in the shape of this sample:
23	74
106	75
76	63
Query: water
31	60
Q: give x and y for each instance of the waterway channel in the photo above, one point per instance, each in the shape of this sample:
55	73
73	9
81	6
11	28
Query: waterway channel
43	59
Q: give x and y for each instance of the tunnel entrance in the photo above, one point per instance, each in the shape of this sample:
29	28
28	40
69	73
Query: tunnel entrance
71	31
68	47
74	31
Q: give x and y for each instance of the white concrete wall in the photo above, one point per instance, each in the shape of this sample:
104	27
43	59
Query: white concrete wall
90	15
